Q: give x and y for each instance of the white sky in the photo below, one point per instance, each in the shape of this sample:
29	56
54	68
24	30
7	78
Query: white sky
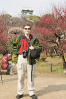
40	7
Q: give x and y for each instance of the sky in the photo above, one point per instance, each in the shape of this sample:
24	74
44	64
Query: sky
40	7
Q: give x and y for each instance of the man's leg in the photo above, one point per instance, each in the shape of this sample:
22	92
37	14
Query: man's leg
30	76
20	71
21	66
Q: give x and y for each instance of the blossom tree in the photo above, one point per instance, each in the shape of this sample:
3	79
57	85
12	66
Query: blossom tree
3	35
52	33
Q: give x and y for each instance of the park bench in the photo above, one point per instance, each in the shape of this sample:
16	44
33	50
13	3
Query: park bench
3	72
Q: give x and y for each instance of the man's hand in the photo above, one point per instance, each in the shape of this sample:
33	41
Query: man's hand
31	47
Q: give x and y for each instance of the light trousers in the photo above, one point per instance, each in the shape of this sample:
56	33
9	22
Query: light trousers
22	66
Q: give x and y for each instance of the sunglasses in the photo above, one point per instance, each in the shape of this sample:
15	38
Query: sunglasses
27	28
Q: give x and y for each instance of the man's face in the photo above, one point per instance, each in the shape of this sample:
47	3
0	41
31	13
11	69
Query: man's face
27	30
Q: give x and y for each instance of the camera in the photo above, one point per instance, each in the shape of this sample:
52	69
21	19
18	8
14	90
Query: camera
25	53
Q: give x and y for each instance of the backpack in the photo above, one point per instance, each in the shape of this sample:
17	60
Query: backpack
35	53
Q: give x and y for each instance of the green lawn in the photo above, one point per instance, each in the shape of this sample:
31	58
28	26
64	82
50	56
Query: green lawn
45	66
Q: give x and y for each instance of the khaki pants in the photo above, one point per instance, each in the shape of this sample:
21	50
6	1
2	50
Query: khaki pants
22	66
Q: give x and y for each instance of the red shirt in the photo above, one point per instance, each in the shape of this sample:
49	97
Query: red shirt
24	46
4	62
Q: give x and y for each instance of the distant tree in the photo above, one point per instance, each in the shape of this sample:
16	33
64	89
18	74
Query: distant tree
52	33
6	16
3	35
33	18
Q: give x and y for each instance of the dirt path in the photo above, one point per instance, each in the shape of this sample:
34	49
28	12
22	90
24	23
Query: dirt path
47	87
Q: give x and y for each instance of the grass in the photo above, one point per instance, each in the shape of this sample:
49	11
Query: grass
45	66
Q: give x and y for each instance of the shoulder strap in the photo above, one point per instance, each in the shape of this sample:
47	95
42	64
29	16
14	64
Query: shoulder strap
23	44
27	41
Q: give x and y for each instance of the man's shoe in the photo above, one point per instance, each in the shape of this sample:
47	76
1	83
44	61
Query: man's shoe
34	97
19	96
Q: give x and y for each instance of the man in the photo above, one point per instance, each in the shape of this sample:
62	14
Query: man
24	65
5	62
